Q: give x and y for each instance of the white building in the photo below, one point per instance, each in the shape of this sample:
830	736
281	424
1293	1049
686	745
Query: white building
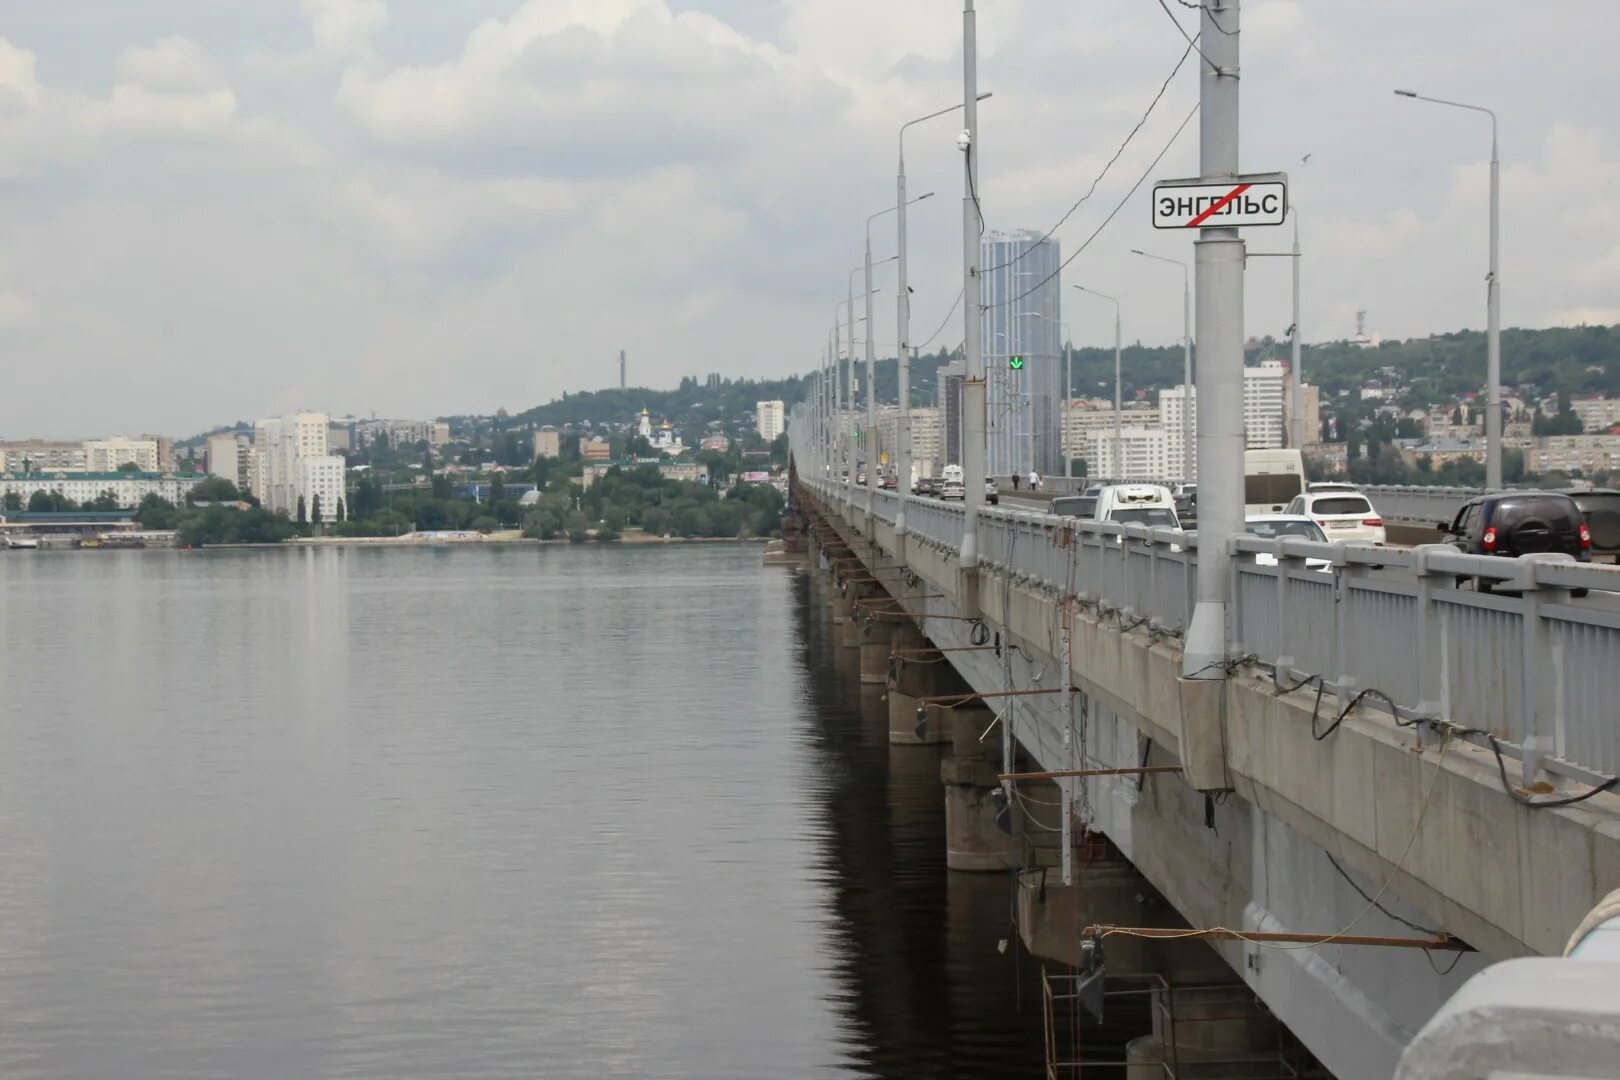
128	488
1263	393
36	455
109	455
280	444
228	458
927	441
770	419
548	442
1144	454
1088	415
1596	413
1174	403
320	485
403	432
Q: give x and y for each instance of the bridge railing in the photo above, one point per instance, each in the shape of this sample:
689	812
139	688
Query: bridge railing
1503	647
1425	505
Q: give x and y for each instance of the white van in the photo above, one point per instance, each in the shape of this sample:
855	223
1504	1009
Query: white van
1271	479
1137	504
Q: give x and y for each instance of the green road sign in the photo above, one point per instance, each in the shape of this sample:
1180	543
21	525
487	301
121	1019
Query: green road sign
1015	363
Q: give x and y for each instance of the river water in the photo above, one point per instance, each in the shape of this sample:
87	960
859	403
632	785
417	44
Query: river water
484	812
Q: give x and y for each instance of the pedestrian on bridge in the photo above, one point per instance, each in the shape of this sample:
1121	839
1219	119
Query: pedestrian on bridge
1034	481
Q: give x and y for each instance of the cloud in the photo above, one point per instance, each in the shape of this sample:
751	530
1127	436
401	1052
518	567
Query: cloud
430	206
17	312
171	65
19	83
1588	316
343	29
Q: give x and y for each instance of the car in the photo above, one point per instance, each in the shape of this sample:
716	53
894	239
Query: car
1083	505
1600	507
952	489
1514	523
1186	496
991	494
925	485
1343	515
888	481
1273	526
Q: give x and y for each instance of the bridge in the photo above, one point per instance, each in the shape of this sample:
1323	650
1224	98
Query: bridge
1384	769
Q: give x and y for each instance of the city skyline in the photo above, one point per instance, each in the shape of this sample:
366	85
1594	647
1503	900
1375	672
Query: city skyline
357	200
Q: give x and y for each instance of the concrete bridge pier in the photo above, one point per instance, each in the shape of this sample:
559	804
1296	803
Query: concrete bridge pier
877	638
1212	1031
912	677
973	841
982	833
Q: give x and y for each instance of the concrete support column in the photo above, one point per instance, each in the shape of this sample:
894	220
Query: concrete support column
973	841
877	635
915	677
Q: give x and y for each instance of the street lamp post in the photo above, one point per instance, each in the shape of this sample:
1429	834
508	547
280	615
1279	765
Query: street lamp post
902	323
1118	403
871	359
1493	304
1186	360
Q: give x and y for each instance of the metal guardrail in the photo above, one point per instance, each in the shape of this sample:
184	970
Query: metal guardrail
1527	662
1423	505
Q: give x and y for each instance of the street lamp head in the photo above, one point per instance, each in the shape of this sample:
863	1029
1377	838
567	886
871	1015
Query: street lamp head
924	195
1406	93
1137	251
964	139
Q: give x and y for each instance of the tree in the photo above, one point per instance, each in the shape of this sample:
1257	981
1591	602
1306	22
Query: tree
45	502
13	501
129	466
485	524
441	486
303	517
497	488
156	512
1457	416
315	509
213	489
105	501
341	509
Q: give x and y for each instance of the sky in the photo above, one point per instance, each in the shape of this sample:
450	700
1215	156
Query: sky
213	210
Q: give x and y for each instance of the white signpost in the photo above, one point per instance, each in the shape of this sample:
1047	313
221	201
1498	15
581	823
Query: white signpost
1258	199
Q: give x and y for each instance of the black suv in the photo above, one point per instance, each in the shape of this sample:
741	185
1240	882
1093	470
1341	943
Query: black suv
1512	523
1601	509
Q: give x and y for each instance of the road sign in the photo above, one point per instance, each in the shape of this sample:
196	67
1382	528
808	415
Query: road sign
883	458
1257	199
1015	363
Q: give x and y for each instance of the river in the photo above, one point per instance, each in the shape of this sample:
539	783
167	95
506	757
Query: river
472	812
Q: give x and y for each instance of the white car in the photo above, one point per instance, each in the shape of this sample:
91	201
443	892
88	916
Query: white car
952	489
1272	526
1343	515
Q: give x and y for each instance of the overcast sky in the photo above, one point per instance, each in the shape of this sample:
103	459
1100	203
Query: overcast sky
214	210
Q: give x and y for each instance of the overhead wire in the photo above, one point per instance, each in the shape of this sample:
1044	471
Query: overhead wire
1098	179
1111	215
1199	7
1372	902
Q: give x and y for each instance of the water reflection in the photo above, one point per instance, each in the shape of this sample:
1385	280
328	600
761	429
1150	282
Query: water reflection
924	990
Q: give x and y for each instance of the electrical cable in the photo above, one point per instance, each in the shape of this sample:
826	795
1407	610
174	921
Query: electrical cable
1417	829
1191	39
942	323
1111	215
1199	8
1105	169
1408	923
1449	730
